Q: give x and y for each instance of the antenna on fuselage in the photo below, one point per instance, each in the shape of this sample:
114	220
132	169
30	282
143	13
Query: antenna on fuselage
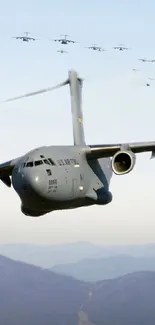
75	84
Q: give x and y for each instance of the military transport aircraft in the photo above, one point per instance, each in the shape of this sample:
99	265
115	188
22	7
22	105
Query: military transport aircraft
61	177
64	40
120	47
135	70
145	60
61	51
25	38
96	48
148	83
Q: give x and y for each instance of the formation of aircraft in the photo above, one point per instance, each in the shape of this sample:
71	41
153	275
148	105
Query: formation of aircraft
61	177
64	40
25	38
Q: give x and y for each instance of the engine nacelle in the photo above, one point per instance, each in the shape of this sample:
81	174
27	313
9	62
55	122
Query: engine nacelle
123	162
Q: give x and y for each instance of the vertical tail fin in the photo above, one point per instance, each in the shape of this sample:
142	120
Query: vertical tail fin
76	107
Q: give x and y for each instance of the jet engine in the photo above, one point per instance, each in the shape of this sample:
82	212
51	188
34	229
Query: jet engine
123	162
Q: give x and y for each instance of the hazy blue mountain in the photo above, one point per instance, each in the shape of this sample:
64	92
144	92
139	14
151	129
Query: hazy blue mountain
124	301
105	268
31	295
49	255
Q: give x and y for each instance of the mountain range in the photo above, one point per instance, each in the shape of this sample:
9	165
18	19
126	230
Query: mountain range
32	295
47	256
105	268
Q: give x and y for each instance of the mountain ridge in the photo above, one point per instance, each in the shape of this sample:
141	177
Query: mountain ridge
32	295
48	256
105	268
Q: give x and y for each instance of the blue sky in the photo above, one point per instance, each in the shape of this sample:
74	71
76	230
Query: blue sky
116	106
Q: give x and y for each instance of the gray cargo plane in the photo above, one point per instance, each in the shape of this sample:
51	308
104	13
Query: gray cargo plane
25	38
64	40
53	178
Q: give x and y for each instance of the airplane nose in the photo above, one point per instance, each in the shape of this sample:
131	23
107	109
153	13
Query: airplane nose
34	181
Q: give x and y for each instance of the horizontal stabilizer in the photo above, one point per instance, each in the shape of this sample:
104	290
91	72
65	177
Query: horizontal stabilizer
75	84
37	92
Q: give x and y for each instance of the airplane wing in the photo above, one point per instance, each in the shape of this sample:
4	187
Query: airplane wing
69	41
6	169
108	150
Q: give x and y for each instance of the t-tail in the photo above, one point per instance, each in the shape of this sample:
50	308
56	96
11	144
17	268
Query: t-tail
76	107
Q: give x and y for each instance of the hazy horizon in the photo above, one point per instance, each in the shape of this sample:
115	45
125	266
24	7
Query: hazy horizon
100	244
116	105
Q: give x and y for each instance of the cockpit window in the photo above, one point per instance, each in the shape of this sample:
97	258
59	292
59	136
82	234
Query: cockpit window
38	162
46	162
48	172
29	164
51	161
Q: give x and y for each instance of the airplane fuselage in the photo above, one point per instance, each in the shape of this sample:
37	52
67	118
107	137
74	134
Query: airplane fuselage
64	42
60	177
25	39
